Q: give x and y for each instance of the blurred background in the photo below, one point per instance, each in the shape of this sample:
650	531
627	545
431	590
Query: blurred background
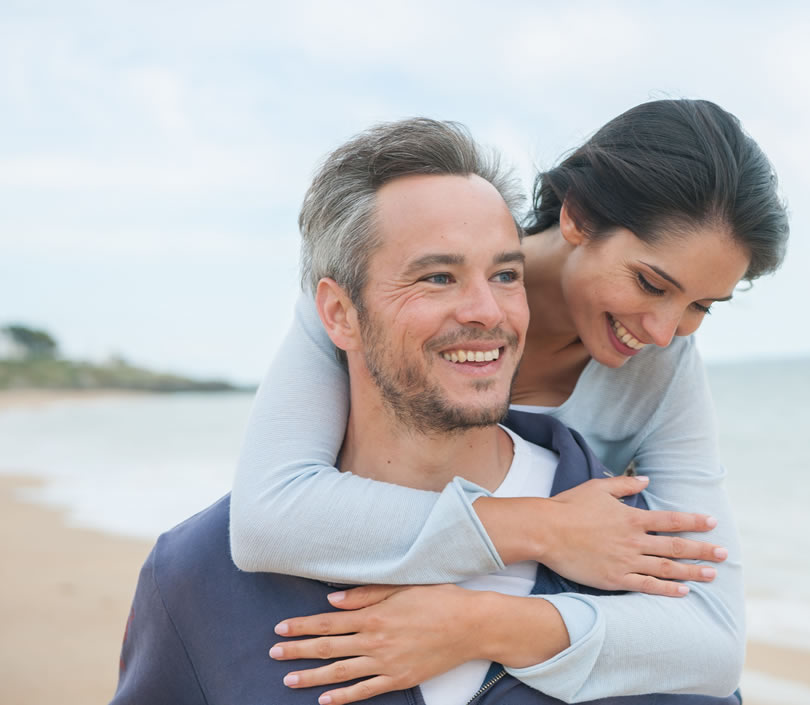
153	157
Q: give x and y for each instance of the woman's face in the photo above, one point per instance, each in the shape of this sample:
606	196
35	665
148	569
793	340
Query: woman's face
623	293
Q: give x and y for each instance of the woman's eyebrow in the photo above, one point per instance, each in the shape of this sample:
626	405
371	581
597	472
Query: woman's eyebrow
661	273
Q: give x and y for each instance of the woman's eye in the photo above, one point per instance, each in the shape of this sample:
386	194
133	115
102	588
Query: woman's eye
649	288
702	308
439	279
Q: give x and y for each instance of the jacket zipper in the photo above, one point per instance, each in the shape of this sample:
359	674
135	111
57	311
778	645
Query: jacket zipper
484	688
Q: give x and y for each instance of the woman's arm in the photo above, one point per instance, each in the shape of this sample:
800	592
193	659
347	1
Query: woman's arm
286	487
640	643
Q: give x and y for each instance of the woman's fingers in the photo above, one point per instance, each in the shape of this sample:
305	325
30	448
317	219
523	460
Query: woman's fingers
653	586
667	569
359	691
363	596
677	547
328	623
325	647
676	521
624	485
338	672
338	622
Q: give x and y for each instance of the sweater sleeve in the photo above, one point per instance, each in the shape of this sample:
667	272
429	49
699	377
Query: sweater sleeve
642	643
286	486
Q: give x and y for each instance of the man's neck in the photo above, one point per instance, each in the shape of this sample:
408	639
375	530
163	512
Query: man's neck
379	447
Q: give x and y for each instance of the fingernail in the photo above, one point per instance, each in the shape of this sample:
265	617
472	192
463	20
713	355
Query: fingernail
282	628
721	553
290	679
683	590
335	597
642	478
276	652
711	522
708	572
325	700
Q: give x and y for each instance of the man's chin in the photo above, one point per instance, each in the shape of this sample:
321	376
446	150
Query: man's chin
462	418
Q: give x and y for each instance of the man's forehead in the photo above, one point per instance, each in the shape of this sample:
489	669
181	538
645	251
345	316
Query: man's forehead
429	192
410	206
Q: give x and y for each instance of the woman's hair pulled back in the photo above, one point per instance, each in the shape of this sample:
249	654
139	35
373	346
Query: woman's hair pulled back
664	168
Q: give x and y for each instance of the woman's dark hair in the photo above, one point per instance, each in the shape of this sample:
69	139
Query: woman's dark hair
663	168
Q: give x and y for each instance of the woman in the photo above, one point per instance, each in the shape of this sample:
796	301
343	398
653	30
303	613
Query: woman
633	237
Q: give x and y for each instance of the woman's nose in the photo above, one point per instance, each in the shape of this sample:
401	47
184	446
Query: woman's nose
661	326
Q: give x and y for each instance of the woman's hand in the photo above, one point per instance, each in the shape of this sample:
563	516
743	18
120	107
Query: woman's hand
398	637
588	535
394	637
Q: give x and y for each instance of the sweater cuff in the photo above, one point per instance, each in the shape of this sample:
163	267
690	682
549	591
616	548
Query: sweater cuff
564	675
468	493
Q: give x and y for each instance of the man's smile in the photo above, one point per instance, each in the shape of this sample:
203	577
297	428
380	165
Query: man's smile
465	355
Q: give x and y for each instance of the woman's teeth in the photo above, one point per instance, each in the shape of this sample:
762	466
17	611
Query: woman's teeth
623	334
472	355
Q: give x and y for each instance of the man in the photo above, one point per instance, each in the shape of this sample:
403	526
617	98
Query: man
421	288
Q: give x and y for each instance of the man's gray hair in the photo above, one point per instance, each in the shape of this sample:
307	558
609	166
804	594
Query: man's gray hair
337	218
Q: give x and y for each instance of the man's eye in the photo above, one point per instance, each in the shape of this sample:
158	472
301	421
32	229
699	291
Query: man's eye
439	279
509	275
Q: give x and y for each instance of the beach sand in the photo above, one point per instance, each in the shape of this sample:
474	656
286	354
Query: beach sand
64	600
66	592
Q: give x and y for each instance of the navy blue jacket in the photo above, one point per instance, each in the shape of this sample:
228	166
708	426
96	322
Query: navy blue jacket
200	629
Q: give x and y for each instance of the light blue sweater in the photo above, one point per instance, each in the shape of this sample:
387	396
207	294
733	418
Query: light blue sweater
656	410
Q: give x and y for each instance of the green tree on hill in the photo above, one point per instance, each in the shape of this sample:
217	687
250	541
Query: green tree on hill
38	344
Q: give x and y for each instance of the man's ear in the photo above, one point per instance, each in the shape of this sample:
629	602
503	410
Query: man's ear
570	230
338	314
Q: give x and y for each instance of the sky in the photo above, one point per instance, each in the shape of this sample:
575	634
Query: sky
153	156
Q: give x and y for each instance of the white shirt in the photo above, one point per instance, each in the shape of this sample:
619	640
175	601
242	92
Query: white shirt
530	475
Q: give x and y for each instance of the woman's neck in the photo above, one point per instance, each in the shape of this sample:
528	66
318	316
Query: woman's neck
551	327
554	357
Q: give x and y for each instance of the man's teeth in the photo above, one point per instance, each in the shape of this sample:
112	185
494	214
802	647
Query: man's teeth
623	335
472	355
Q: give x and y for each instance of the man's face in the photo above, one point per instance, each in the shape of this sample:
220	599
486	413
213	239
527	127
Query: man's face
445	311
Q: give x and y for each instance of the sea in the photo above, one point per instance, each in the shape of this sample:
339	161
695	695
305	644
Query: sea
137	465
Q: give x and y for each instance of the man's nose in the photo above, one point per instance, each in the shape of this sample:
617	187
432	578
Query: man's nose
479	305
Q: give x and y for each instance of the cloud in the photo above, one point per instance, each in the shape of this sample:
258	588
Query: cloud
159	90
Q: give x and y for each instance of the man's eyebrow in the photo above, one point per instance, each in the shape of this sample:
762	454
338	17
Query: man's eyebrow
437	260
432	260
511	256
661	273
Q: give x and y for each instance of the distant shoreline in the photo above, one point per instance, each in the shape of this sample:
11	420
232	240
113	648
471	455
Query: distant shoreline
33	398
59	373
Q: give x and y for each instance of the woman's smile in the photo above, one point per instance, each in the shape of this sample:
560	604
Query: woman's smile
623	340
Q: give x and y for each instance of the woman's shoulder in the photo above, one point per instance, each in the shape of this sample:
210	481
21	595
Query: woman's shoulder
612	405
654	368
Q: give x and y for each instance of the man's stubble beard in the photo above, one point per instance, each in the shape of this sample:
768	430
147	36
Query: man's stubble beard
418	404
